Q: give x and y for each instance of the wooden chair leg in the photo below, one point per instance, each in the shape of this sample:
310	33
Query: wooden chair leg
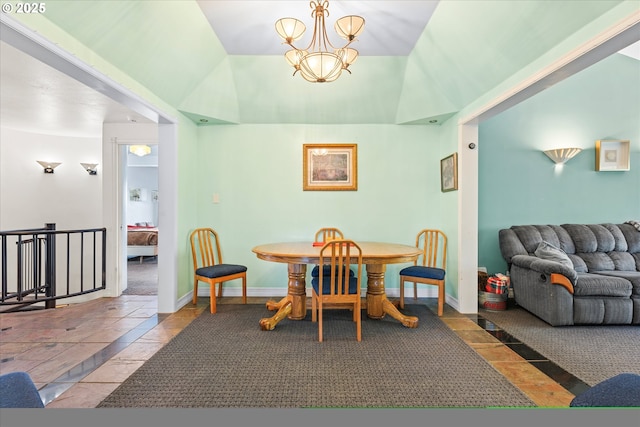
415	290
195	292
401	292
358	322
314	314
320	321
212	298
440	299
244	289
220	289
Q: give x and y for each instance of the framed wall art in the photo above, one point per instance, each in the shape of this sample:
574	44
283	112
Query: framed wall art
612	155
331	167
449	173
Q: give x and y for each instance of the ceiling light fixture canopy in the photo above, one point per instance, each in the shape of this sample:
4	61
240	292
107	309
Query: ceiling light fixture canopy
561	155
320	61
140	150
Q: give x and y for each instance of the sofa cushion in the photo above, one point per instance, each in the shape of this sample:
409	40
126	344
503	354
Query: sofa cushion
529	236
601	285
604	238
631	276
546	250
632	236
578	263
623	261
583	237
597	261
618	236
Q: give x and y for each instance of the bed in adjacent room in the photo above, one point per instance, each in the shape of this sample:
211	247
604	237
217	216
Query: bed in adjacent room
142	240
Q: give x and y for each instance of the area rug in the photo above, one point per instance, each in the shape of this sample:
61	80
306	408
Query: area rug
592	353
142	277
226	360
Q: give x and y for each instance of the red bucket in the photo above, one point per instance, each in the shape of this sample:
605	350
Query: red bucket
492	301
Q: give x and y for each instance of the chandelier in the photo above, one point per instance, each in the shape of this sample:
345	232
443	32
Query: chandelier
140	150
320	61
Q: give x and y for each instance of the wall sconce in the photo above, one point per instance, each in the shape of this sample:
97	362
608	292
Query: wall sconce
90	167
561	155
140	150
48	166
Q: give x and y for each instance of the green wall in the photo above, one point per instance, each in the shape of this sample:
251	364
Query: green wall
519	184
257	172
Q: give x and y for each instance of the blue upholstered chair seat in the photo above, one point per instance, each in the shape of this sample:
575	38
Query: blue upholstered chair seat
326	271
220	270
424	272
326	288
17	390
620	390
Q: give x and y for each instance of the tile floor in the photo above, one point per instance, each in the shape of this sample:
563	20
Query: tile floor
78	354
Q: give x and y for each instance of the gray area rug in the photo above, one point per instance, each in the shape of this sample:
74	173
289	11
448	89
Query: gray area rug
592	353
226	360
142	278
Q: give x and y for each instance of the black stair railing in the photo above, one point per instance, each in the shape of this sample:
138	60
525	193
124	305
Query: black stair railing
41	266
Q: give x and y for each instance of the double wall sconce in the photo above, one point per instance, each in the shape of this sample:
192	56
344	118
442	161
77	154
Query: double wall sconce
91	168
562	155
48	166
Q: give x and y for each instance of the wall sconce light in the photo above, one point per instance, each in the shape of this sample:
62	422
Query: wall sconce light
90	167
561	155
48	166
140	150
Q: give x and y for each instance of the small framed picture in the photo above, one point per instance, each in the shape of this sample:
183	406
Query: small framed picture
612	155
137	195
449	173
330	167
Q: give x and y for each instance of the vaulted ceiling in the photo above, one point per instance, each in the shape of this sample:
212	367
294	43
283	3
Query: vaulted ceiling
222	61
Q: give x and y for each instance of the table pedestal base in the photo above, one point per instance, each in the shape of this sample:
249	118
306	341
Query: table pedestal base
294	305
378	305
284	309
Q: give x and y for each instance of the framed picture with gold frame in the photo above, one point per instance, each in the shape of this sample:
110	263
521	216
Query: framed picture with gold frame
330	167
449	173
612	155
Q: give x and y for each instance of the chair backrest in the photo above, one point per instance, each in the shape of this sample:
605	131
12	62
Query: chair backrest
338	255
205	248
433	244
328	233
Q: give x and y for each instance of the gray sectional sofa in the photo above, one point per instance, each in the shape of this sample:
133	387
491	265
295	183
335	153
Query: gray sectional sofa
575	274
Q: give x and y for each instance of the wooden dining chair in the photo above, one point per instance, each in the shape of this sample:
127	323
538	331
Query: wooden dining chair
322	236
430	267
208	266
328	233
340	288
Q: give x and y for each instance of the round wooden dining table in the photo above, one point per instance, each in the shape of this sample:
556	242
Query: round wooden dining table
375	255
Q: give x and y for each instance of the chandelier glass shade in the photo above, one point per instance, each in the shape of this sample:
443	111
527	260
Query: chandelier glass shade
320	61
140	150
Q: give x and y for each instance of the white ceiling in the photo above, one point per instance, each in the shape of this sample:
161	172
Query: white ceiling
37	97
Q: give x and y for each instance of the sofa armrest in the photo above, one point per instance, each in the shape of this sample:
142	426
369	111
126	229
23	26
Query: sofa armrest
543	292
547	267
559	279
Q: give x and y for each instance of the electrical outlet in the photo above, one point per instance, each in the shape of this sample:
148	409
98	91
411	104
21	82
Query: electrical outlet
216	198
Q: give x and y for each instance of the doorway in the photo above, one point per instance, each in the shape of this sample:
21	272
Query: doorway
141	218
